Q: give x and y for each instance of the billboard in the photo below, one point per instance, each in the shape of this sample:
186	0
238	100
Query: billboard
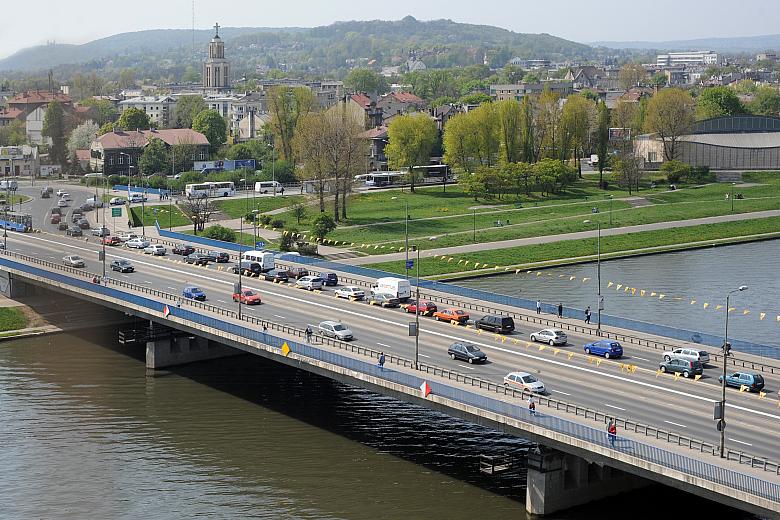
619	134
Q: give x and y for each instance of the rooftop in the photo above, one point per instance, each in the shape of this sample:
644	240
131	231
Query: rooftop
120	139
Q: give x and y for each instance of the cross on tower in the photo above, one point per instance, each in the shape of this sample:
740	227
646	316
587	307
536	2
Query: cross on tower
216	28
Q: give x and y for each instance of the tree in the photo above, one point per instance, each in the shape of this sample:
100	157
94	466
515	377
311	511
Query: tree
219	232
766	102
602	140
628	170
154	158
81	137
54	129
288	106
460	145
310	145
670	114
14	134
211	124
299	212
106	128
187	109
718	102
366	80
659	79
577	121
410	141
631	75
322	225
183	156
509	122
134	119
626	115
199	209
547	119
475	98
104	110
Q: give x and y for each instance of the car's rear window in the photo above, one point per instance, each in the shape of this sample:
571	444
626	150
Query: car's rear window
758	379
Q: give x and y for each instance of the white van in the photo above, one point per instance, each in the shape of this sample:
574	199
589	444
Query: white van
398	287
9	185
594	160
268	187
264	258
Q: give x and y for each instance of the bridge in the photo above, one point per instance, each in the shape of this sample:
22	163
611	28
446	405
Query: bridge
666	431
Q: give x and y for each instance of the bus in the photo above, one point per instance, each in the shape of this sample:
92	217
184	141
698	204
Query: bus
210	189
380	178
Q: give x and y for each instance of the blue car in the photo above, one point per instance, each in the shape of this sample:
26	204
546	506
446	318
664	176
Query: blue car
604	347
194	293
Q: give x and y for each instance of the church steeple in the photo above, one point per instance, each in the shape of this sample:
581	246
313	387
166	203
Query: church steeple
216	69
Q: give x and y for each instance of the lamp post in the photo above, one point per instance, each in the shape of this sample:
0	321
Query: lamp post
732	196
417	312
726	349
406	233
610	209
600	299
103	228
240	253
474	215
273	166
254	227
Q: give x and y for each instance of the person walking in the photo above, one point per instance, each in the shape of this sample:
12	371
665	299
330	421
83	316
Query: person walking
308	334
532	406
612	432
381	363
587	314
560	310
538	307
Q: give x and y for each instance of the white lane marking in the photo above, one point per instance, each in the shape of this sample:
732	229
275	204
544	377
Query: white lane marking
559	392
172	288
448	336
639	358
384	345
222	301
741	442
466	366
423	355
675	424
280	317
615	407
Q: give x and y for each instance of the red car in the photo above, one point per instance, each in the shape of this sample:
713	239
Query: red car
426	308
248	297
452	315
111	241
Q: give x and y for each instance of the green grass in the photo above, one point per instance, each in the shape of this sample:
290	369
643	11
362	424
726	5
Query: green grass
12	318
585	247
166	215
235	208
248	239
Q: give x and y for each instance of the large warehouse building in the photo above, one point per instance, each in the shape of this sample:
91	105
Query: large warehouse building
723	143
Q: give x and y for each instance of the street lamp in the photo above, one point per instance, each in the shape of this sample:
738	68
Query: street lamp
610	209
598	275
254	227
726	349
240	253
406	233
273	166
417	313
732	196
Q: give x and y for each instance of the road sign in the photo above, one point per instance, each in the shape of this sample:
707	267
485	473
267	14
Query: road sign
721	425
409	264
116	212
260	244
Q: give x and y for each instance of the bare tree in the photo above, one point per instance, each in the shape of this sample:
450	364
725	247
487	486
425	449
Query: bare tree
199	209
629	169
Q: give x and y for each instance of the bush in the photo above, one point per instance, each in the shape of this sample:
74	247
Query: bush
676	171
277	223
322	225
701	175
286	242
217	232
306	248
265	219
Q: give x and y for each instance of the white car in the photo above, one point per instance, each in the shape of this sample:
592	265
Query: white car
550	336
116	201
335	329
95	202
137	197
309	282
124	237
138	243
74	261
688	354
65	195
155	250
350	292
62	203
524	380
60	192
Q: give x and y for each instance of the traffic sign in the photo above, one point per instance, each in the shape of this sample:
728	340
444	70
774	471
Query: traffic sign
260	244
116	212
409	264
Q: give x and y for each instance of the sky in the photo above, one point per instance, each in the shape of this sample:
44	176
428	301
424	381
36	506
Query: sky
80	21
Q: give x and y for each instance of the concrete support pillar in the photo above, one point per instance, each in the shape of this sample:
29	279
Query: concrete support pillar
559	481
12	287
171	351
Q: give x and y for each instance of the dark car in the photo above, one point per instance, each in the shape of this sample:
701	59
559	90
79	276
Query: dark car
275	276
197	259
183	249
753	382
76	216
384	300
466	352
296	272
331	279
122	265
74	231
87	206
685	367
248	267
218	257
62	226
497	324
83	223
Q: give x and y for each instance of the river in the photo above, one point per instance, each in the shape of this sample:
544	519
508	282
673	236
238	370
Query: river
85	434
703	276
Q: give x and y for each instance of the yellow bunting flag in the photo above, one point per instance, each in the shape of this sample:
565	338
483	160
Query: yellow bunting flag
676	376
528	272
745	312
633	291
484	266
697	377
460	261
762	316
506	269
652	295
570	355
555	352
661	296
718	307
538	273
285	233
732	309
561	275
625	289
619	286
761	394
352	244
496	267
610	284
658	372
517	271
542	347
515	341
598	362
642	292
286	349
572	278
622	366
706	305
743	388
585	279
450	259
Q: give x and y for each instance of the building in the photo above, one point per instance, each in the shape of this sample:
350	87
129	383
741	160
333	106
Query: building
30	108
532	64
377	138
690	59
590	77
520	90
251	126
766	56
216	68
19	160
159	108
117	152
396	103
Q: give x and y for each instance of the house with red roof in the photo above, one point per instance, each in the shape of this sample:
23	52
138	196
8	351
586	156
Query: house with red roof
396	103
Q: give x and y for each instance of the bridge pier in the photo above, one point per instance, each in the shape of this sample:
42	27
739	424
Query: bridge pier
174	350
13	287
559	481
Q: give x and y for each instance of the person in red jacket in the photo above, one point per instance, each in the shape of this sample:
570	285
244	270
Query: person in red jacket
612	432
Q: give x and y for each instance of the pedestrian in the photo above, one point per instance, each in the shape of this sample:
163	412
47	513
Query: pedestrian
265	328
308	334
281	190
612	432
538	307
560	310
587	314
532	406
381	363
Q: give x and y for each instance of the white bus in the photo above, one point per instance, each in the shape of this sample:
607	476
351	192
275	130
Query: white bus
223	189
380	178
210	189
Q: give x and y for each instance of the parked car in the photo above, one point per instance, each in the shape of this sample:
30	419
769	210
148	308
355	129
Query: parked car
155	250
351	292
550	336
197	259
55	219
111	241
74	260
497	324
604	347
384	300
426	308
101	232
62	203
690	354
297	272
753	382
248	267
183	249
467	352
122	265
62	226
458	315
193	293
309	282
524	380
138	243
74	231
682	366
335	329
124	237
331	279
218	257
275	276
248	297
116	201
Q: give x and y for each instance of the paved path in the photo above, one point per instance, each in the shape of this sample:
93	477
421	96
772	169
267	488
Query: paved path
470	248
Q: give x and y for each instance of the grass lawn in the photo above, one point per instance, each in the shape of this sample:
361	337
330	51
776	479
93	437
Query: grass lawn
585	247
247	239
12	318
166	215
236	208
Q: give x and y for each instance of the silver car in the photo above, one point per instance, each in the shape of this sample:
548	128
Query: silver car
689	354
550	336
310	282
335	329
73	261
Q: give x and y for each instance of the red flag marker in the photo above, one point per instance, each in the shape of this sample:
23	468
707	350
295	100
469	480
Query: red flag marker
425	388
166	311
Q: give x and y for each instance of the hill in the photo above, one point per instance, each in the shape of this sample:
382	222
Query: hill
734	45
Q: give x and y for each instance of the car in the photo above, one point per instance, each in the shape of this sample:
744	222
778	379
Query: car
248	297
138	243
74	231
65	196
56	211
331	279
122	265
452	314
384	300
350	291
682	366
62	226
136	197
335	329
550	336
62	203
101	232
467	352
524	380
275	276
753	382
83	223
297	272
248	267
116	201
426	308
183	249
74	260
193	293
197	259
497	324
691	354
95	202
124	237
309	282
604	347
60	192
55	219
111	241
218	257
86	207
45	194
155	250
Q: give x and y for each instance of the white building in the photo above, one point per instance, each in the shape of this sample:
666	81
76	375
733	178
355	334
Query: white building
19	160
158	108
216	68
693	58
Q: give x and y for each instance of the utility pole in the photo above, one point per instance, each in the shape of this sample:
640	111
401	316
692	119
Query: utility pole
417	315
726	349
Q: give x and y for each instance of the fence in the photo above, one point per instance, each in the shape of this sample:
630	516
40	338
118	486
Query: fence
140	189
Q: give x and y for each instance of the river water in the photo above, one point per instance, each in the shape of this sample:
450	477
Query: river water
85	434
703	276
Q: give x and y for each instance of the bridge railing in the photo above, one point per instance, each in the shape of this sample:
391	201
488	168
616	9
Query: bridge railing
654	454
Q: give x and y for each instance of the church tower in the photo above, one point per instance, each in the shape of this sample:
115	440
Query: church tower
216	69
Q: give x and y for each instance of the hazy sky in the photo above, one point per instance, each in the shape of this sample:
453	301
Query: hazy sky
79	21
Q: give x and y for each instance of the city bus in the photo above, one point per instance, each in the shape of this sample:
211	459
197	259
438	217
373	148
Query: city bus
380	178
210	189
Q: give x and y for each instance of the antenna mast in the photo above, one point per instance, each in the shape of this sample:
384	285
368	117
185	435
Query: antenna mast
193	31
